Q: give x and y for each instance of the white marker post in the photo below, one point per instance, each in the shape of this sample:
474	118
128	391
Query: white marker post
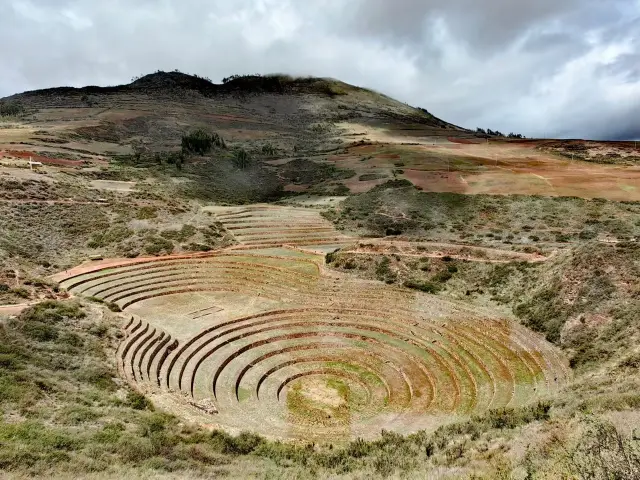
34	164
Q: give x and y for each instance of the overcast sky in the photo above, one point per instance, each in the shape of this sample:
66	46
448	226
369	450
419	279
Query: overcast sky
564	68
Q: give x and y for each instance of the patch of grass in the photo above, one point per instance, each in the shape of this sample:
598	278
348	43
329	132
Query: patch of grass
158	245
138	401
371	176
423	286
147	213
113	306
115	234
185	233
307	172
384	272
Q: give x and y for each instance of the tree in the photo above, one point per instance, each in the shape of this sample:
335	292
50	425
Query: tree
241	159
11	109
200	142
139	148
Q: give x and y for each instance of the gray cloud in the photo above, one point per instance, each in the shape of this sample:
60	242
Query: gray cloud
549	67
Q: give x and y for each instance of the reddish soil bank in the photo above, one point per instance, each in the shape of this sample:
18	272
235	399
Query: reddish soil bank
40	158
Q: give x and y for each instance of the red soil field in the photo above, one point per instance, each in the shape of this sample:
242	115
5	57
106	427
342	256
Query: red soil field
39	158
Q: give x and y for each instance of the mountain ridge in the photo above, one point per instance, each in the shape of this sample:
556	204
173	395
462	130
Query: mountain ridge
176	82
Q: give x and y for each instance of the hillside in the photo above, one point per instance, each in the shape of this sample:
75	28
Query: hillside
280	277
277	119
159	108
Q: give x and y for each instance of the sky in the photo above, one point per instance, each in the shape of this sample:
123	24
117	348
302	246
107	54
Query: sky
543	68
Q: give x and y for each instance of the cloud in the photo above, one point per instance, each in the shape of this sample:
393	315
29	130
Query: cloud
550	67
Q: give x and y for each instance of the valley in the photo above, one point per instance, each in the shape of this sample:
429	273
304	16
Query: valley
302	275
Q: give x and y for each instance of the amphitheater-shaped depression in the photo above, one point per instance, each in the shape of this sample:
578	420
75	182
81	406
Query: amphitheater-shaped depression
270	341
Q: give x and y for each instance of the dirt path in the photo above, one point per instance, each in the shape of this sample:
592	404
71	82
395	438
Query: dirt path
16	309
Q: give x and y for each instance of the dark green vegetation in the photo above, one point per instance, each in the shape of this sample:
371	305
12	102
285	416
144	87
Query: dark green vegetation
306	172
65	412
481	132
11	109
201	142
233	180
585	299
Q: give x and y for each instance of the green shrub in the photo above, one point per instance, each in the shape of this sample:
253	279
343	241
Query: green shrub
269	150
198	247
371	176
113	306
11	109
243	444
186	232
358	448
603	454
442	276
76	415
52	311
109	434
20	292
544	312
138	401
113	235
632	361
37	436
330	257
384	272
423	286
158	245
40	332
341	190
98	376
134	449
147	213
9	361
201	142
241	158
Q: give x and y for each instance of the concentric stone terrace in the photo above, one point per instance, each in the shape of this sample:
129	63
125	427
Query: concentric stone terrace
260	226
269	341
